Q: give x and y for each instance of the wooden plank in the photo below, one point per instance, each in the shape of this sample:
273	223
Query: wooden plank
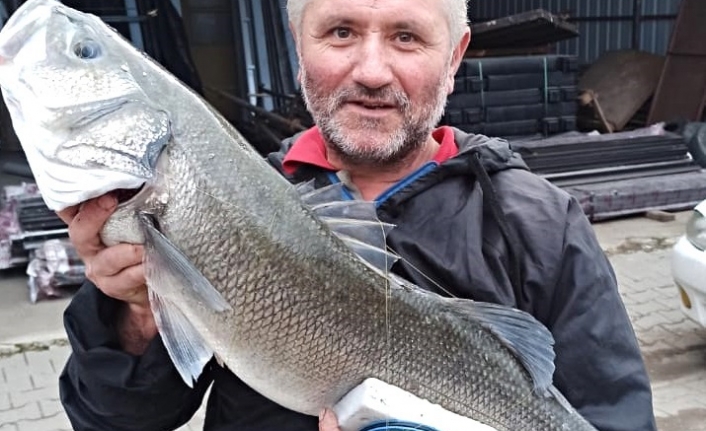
510	51
661	216
681	92
622	81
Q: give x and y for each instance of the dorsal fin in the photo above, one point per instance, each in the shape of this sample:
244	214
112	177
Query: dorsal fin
372	233
312	196
354	210
355	222
380	259
303	188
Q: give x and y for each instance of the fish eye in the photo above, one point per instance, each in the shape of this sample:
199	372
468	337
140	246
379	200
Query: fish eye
87	49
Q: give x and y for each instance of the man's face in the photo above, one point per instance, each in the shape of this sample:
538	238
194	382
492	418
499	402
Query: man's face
376	73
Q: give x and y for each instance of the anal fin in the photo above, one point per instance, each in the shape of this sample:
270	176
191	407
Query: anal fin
527	338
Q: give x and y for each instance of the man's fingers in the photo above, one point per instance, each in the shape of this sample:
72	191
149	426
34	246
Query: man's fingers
112	260
128	285
328	421
86	225
67	215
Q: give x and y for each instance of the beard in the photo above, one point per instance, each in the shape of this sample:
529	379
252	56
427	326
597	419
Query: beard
368	141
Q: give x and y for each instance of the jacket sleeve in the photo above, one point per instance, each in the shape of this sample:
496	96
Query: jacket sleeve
599	367
103	387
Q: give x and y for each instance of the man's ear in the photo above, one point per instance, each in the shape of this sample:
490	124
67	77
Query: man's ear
456	58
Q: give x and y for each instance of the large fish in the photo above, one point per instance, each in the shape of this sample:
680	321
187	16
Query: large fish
281	283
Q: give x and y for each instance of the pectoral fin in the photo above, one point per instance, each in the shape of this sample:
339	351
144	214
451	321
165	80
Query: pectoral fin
187	349
171	275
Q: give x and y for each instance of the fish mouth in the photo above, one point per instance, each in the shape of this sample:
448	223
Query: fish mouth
63	185
127	196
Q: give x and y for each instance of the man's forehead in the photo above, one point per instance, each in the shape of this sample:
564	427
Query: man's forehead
403	10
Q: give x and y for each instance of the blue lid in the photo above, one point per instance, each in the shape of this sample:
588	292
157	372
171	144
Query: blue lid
394	425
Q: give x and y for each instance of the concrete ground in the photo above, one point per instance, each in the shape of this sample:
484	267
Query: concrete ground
673	346
33	350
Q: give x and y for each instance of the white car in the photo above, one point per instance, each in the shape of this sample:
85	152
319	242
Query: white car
689	266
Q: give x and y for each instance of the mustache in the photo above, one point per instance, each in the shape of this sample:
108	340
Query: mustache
383	95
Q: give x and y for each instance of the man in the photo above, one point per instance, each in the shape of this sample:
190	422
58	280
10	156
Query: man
468	215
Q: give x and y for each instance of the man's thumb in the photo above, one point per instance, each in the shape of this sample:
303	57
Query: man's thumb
328	421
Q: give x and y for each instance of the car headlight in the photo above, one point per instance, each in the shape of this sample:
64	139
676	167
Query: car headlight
696	230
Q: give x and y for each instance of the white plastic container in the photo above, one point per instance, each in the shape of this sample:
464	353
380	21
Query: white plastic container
374	404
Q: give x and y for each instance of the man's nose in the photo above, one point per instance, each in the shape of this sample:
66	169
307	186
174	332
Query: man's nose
373	67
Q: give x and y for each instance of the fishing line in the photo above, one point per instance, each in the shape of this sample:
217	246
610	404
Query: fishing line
428	278
388	297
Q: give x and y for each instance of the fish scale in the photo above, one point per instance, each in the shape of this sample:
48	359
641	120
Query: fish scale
238	263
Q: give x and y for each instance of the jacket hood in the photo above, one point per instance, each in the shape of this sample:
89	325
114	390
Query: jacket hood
495	154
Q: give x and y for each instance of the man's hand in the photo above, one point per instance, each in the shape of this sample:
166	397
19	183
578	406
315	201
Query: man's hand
328	421
117	270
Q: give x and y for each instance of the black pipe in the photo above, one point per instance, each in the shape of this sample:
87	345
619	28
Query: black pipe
118	19
20	169
276	119
643	18
636	24
663	17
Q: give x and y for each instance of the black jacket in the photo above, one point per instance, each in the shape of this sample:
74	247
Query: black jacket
482	226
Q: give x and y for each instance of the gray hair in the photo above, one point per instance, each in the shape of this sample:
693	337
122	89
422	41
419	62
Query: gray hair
456	10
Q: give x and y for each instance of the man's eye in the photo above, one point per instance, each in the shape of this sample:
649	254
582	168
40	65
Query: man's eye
405	37
342	33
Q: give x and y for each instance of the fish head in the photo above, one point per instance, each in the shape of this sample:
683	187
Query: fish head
76	106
